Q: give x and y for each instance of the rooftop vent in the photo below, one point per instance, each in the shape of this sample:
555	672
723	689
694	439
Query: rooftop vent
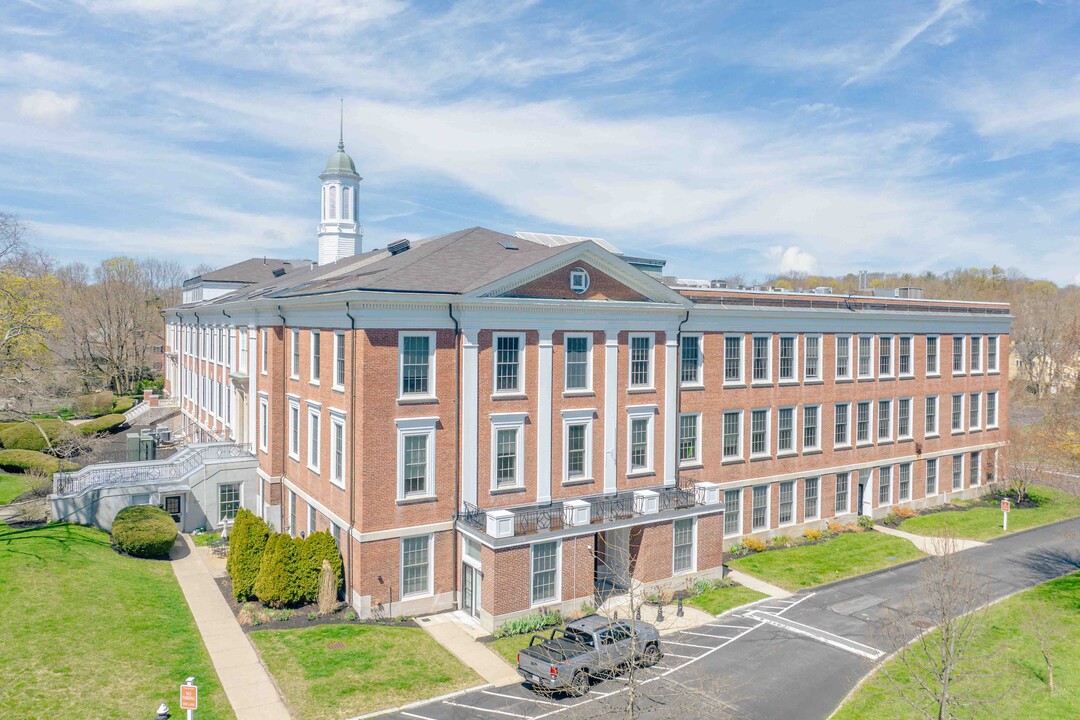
823	290
508	245
398	246
913	293
278	272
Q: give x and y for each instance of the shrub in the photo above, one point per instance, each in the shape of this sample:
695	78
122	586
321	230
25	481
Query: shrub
903	512
123	404
144	531
328	588
835	527
27	435
280	580
812	535
866	522
737	549
780	541
103	424
529	623
93	404
25	460
318	546
854	528
753	544
247	541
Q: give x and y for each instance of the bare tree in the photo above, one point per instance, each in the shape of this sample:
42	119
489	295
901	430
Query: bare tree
1048	636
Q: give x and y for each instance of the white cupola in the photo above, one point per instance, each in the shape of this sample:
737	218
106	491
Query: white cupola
340	235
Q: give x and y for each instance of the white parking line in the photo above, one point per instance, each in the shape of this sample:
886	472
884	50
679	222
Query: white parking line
671	654
822	636
733	627
708	635
524	699
414	715
699	647
487	710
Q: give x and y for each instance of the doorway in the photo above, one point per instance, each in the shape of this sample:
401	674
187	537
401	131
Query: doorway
174	505
470	590
612	562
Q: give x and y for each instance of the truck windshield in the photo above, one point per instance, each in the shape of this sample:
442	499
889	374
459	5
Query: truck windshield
577	636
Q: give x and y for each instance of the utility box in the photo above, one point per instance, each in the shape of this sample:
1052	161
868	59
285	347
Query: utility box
141	447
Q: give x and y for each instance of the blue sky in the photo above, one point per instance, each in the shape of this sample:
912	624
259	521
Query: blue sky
726	137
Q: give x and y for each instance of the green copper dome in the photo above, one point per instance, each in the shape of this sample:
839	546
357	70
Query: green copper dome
340	162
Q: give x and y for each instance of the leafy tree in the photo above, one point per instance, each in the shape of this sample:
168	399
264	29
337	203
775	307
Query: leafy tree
247	544
281	578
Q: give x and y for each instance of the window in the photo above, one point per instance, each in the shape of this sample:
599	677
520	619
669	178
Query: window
332	203
262	351
761	358
415	566
931	477
884	420
992	354
787	359
812	357
683	543
810	498
294	429
313	439
507	457
904	357
641	361
904	484
337	449
931	416
866	350
884	486
976	354
242	359
811	418
843	481
228	500
862	422
843	357
903	418
759	432
885	358
976	458
932	366
759	516
576	458
339	360
733	361
316	353
785	430
508	362
545	564
335	532
310	519
294	365
579	280
958	472
640	441
991	409
732	512
578	362
732	441
958	355
841	426
264	421
416	458
958	413
689	424
346	202
690	360
417	355
974	410
787	502
292	513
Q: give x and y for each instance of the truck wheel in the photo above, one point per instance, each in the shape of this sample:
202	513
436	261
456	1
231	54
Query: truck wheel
651	656
580	683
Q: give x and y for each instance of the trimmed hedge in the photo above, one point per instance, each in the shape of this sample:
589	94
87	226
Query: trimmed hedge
27	436
23	460
281	577
105	423
93	404
144	531
247	541
8	424
123	404
318	546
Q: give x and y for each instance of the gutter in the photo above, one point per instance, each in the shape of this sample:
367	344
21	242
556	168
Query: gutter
352	454
284	401
457	445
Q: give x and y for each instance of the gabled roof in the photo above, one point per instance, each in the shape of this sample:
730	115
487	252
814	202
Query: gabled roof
248	271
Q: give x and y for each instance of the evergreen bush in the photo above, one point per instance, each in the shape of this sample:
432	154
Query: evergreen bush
247	542
93	404
105	423
27	435
123	404
144	531
318	546
24	460
280	579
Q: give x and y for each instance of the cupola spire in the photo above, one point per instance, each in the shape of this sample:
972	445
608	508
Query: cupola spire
340	235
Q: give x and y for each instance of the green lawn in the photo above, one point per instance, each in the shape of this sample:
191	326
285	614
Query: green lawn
90	633
507	647
335	671
1004	644
984	523
11	487
723	599
204	539
844	556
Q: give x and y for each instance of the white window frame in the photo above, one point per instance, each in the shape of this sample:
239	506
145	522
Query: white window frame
739	525
872	364
292	512
952	413
430	566
651	337
723	432
577	417
767	452
579	280
817	499
844	509
741	380
936	431
961	466
520	388
963	355
936	371
767	380
794	448
793	379
700	369
314	415
900	434
339	350
314	371
430	394
996	367
557	597
882	341
911	356
817	425
637	412
794	502
890	502
846	443
407	427
932	463
975	354
991	422
696	460
693	546
294	354
294	427
338	420
975	469
900	495
312	520
871	427
588	389
264	421
817	376
508	421
974	411
878	437
768	508
852	358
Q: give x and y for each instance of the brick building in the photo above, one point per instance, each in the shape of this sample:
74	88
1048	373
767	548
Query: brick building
503	423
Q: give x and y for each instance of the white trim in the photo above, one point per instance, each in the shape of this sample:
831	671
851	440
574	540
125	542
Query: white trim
911	355
819	375
430	567
768	506
338	419
544	382
470	401
768	433
849	430
519	389
794	448
533	602
293	429
739	531
294	354
741	380
579	273
339	346
312	365
651	337
872	357
577	417
817	500
963	355
795	372
723	436
671	389
416	427
975	359
936	372
700	382
891	340
794	502
978	411
647	413
696	460
431	393
611	400
851	360
963	413
508	421
314	448
888	437
997	354
986	408
264	421
588	362
693	546
936	432
910	419
817	425
767	380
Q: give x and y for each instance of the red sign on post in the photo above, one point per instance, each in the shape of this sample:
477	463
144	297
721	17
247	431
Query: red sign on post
1004	506
189	697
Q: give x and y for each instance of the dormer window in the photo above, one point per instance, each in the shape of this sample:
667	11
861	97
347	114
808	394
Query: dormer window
579	280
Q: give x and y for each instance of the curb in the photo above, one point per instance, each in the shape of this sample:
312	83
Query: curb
418	703
1031	529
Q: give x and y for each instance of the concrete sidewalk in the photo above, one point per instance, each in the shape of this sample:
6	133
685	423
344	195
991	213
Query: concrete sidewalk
247	684
754	584
460	638
930	545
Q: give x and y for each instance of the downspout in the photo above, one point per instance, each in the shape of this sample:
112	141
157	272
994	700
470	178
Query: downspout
284	402
352	453
678	390
457	445
198	368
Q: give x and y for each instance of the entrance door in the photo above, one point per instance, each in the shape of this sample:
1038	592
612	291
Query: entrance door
470	590
612	564
174	505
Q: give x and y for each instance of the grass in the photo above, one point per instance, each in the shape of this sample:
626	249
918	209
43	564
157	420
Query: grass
11	487
508	647
335	671
91	633
844	556
719	600
984	523
204	539
1003	644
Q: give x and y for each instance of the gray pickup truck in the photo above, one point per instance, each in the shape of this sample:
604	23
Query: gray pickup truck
593	645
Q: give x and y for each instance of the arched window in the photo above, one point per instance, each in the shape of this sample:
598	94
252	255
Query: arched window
346	202
333	202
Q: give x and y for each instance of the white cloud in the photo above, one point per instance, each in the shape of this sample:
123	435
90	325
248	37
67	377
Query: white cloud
792	259
1028	112
944	9
47	106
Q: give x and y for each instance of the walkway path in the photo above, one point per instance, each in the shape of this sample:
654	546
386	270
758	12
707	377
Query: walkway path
930	545
247	684
460	638
755	584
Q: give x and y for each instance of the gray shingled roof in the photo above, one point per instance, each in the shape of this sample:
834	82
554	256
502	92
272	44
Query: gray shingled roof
248	271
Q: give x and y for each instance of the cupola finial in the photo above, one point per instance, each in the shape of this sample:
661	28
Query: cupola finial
341	129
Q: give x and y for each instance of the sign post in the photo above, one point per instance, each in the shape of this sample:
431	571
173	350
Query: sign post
1005	515
189	697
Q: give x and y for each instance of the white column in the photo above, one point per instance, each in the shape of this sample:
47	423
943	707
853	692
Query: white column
611	407
543	419
671	422
470	409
